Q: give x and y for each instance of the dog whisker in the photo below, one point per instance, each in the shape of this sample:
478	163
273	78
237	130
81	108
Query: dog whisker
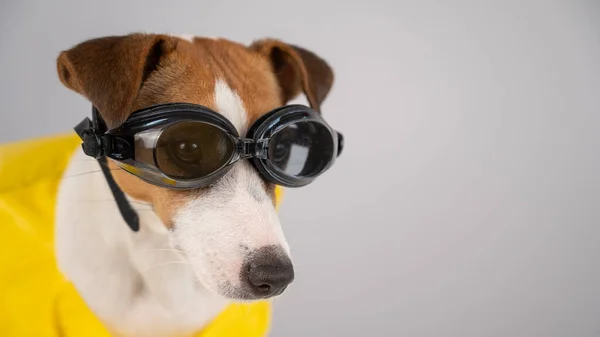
150	208
163	250
167	263
88	172
85	159
177	263
141	203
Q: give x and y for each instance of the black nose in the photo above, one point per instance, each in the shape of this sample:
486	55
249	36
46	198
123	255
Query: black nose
267	271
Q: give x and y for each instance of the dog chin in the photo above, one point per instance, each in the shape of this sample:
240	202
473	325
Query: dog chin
230	292
239	294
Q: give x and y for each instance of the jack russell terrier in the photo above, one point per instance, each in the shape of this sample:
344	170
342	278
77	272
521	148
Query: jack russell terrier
165	216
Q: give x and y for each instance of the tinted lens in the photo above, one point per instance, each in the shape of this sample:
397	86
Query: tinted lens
193	150
302	149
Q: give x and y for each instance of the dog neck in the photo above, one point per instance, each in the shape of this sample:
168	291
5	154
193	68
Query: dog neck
137	283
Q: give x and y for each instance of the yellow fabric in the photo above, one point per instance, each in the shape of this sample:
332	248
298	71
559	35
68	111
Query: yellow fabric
35	300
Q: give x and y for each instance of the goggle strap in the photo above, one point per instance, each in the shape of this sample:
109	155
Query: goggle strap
99	124
89	130
129	215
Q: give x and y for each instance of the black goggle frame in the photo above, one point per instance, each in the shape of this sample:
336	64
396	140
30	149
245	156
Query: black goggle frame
118	143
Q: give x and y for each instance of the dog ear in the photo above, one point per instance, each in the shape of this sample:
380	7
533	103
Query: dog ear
110	71
297	69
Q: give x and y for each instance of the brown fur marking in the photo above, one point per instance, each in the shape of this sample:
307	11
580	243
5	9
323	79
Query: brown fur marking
120	74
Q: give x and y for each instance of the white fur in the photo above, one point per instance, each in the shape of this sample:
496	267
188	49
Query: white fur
187	37
230	105
130	280
190	37
237	217
140	283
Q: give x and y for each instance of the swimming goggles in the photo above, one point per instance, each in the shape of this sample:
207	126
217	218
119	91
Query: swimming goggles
189	146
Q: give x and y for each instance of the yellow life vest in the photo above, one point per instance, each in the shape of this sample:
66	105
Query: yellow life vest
35	299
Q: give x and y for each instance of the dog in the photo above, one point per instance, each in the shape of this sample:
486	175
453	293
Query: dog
197	250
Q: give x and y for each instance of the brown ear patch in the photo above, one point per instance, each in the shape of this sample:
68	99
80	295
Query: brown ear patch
110	71
319	73
65	69
297	69
153	58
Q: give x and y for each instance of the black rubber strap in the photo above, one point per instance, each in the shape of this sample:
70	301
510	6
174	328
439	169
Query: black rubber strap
127	212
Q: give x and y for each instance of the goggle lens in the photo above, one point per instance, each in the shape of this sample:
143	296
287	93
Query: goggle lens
193	150
303	149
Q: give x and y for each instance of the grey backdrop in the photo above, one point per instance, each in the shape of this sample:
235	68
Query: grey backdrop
467	200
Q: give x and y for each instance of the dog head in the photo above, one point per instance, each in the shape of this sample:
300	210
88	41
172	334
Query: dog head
229	232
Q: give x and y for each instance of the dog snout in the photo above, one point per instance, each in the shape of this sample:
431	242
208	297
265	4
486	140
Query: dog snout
267	272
